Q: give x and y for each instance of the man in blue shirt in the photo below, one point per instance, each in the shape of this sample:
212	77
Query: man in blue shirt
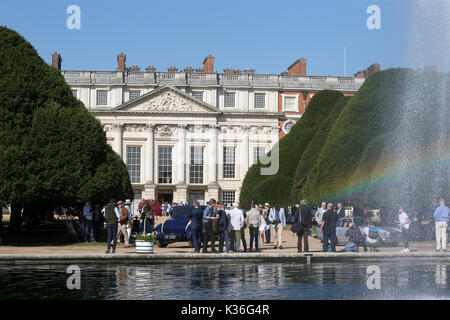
441	217
278	220
89	224
196	217
223	228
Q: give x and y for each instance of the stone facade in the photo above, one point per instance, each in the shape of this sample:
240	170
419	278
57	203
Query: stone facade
193	135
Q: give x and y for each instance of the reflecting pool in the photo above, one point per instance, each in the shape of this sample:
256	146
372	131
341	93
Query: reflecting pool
403	279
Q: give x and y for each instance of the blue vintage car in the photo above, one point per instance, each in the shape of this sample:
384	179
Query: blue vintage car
175	229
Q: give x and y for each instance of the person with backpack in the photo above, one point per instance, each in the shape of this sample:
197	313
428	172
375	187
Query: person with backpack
355	238
302	223
111	225
123	222
371	237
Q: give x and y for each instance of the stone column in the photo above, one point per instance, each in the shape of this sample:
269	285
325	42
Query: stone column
245	151
149	192
118	144
148	156
181	154
211	159
181	186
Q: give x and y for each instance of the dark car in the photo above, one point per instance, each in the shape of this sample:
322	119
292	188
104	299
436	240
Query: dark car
177	228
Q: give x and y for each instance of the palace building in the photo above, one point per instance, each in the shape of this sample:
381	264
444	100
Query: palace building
192	134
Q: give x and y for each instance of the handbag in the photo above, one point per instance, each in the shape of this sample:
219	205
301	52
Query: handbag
294	228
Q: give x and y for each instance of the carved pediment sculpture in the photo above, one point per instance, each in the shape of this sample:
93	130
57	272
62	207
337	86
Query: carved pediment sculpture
168	101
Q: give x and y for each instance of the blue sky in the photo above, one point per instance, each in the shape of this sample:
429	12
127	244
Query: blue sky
265	35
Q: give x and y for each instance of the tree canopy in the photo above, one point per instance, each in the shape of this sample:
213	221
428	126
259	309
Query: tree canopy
53	151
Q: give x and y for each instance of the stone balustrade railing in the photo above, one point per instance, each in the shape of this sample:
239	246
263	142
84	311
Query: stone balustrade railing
284	82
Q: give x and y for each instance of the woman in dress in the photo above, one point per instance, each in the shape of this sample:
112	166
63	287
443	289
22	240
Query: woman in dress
262	226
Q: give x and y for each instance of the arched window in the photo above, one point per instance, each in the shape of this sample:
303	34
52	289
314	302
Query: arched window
288	126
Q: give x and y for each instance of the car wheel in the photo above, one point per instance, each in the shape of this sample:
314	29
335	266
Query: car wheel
162	244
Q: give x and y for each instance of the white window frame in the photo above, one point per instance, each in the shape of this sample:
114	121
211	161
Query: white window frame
140	162
235	97
203	164
254	100
198	92
223	198
129	94
173	164
253	153
284	126
96	98
223	161
284	95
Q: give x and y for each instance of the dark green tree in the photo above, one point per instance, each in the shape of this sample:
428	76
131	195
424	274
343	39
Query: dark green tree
51	149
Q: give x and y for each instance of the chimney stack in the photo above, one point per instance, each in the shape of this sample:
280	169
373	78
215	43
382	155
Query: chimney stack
199	70
228	71
189	70
56	60
121	59
367	72
150	69
298	68
172	69
134	69
208	64
249	71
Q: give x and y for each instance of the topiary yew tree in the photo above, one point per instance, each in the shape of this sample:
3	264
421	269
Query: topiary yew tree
51	149
277	188
312	152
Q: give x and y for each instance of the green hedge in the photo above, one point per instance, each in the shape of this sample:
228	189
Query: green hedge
52	150
311	153
373	110
389	146
278	188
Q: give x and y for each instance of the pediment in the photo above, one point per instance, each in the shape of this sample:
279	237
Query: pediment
167	100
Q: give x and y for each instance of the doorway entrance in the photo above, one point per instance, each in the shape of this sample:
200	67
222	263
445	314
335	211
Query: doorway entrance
196	195
165	196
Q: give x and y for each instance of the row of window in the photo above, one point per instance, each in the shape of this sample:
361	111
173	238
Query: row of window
229	98
196	165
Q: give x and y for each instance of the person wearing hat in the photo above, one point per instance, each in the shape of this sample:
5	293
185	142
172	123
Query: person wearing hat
130	217
123	222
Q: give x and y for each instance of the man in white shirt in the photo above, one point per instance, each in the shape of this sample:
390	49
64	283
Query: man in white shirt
130	217
404	225
236	222
319	213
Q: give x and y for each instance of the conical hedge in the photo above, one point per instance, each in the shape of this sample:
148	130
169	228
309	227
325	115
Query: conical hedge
51	147
311	153
277	188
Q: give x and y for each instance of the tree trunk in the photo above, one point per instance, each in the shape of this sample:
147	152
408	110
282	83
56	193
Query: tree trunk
15	220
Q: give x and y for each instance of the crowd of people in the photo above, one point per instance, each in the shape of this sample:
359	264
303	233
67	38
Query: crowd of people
230	226
227	225
215	221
